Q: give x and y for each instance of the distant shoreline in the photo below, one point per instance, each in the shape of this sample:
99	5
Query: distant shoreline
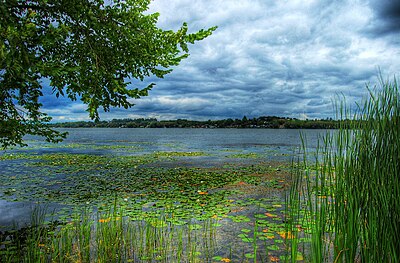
264	122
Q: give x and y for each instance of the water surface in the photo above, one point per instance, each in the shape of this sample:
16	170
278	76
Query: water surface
218	147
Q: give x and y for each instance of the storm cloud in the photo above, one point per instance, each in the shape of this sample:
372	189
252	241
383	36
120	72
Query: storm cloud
267	57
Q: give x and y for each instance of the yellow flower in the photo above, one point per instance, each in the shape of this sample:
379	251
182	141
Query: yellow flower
104	220
270	215
225	260
273	259
286	235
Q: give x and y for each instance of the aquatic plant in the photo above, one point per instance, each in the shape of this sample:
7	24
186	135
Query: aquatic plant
110	236
129	208
348	193
171	215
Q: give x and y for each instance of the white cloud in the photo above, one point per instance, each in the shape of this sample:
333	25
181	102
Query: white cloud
271	57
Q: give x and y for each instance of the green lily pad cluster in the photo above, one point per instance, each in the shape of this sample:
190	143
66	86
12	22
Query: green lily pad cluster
246	155
146	191
71	179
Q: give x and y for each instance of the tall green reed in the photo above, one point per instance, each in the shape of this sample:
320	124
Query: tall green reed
111	236
349	189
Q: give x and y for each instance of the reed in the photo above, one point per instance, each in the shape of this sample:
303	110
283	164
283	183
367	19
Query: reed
350	186
110	236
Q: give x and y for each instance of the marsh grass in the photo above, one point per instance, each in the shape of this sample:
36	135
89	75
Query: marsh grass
348	191
110	236
200	220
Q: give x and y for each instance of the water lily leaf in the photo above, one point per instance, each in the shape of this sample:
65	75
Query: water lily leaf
273	247
195	227
248	240
242	235
260	216
249	255
240	219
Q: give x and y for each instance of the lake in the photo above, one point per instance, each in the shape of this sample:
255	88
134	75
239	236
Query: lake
210	140
216	147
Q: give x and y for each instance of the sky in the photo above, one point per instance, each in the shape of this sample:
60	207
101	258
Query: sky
288	58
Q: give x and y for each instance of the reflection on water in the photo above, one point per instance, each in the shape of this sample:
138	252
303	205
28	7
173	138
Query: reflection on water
189	139
12	211
220	147
19	213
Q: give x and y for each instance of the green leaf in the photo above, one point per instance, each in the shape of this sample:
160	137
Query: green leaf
249	255
273	247
88	50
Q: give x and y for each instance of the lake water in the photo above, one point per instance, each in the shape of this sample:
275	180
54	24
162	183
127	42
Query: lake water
193	138
218	144
206	140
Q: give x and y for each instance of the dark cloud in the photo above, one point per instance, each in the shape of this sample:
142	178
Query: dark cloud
391	9
387	17
285	58
51	102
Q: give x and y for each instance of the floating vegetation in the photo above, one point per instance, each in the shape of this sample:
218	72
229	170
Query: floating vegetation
181	154
246	155
143	211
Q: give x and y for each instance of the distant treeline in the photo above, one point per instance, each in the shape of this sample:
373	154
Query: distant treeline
271	122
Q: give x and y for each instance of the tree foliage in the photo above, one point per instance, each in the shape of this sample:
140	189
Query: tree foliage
263	122
90	50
